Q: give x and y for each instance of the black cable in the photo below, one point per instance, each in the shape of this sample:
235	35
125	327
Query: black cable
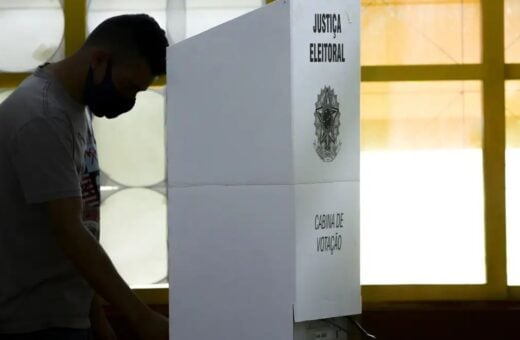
358	326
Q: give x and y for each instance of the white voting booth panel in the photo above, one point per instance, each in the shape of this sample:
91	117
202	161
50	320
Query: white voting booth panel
242	98
263	172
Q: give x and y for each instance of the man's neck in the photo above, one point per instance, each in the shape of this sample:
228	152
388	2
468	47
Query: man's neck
71	73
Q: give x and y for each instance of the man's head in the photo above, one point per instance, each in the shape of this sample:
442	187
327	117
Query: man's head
126	53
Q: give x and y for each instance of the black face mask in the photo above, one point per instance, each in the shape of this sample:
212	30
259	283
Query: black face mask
103	99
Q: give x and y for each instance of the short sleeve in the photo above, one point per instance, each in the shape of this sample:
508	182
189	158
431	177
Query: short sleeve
42	154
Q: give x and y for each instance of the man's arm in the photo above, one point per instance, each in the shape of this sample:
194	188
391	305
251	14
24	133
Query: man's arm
94	264
99	322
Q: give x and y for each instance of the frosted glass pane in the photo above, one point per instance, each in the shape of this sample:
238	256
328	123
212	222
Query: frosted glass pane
223	3
419	115
420	32
133	232
99	10
422	213
513	181
512	31
32	32
199	20
104	5
131	148
4	94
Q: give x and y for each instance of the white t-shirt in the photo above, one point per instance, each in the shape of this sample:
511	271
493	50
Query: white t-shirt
43	136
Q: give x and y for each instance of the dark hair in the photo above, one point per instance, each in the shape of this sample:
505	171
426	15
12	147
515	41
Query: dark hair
132	35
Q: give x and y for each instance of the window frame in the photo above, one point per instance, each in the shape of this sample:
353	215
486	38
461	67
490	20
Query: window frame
492	72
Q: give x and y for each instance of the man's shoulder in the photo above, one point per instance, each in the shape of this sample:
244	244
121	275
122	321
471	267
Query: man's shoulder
34	102
22	106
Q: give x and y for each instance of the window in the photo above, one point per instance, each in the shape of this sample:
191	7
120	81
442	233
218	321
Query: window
204	14
99	10
4	93
421	183
132	158
397	32
35	33
513	181
512	31
432	176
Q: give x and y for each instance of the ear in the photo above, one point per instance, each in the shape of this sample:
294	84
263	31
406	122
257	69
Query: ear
99	59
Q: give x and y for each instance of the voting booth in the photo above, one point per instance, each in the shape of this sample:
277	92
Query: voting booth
263	172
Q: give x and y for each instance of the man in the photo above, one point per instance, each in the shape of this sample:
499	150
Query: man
50	260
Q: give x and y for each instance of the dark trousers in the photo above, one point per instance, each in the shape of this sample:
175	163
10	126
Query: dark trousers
51	334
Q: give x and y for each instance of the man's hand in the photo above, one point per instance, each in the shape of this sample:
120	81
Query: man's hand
95	266
153	326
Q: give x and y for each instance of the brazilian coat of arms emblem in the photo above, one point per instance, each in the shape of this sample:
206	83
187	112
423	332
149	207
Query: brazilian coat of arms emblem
326	122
